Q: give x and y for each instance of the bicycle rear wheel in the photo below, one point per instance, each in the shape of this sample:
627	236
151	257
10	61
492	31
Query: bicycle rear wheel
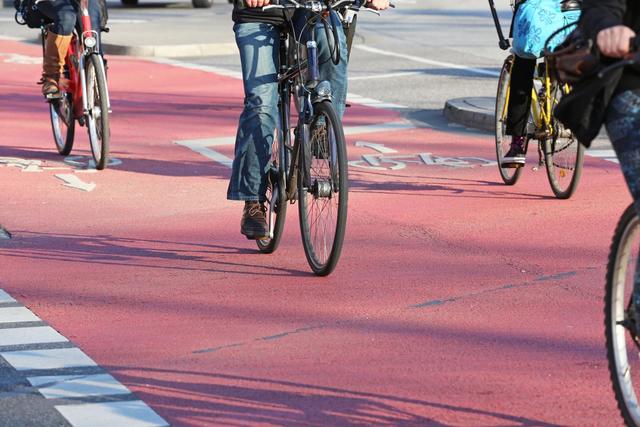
503	142
323	190
563	157
620	316
98	116
63	123
276	202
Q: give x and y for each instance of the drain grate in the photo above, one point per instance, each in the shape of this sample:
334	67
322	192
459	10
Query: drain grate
4	233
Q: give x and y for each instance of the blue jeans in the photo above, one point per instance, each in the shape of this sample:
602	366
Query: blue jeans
623	127
259	46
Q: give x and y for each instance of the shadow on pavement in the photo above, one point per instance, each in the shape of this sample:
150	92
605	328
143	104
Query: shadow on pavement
220	398
135	252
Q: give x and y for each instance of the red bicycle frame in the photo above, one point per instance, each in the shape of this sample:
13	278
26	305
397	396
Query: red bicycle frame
75	60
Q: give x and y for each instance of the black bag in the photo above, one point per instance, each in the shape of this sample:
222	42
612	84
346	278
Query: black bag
27	13
584	109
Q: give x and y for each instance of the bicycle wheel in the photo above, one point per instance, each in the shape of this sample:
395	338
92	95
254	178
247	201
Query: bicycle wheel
323	190
98	116
276	202
63	123
503	142
620	316
563	157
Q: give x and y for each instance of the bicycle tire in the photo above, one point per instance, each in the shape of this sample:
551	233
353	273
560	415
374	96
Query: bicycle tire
63	123
98	116
323	179
563	158
619	318
276	202
509	175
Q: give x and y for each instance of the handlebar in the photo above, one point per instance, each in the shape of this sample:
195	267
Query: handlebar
317	6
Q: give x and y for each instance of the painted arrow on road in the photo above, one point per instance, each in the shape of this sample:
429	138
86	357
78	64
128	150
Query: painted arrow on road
74	181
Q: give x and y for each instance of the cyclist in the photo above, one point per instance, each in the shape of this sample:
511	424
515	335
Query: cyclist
257	35
64	14
520	97
612	23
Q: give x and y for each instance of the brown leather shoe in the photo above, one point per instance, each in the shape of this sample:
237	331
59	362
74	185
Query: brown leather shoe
254	221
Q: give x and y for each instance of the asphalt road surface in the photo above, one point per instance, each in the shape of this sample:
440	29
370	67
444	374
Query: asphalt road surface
457	300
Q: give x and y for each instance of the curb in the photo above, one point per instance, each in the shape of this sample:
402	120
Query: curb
475	113
172	51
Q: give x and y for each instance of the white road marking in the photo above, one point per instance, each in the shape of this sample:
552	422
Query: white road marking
422	60
74	181
351	97
200	67
131	414
17	315
69	386
382	127
47	359
380	148
32	335
374	103
5	297
204	146
608	155
386	76
15	58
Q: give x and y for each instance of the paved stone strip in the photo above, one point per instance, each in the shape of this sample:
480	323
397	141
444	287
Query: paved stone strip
47	381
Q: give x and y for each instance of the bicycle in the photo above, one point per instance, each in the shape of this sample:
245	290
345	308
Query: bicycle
558	150
620	309
621	323
309	155
86	96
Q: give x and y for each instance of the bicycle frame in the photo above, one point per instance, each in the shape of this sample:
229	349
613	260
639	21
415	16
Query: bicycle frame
79	49
541	116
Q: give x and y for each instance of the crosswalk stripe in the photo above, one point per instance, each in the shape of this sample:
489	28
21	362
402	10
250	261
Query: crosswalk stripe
131	414
16	315
70	386
47	359
59	371
33	335
5	297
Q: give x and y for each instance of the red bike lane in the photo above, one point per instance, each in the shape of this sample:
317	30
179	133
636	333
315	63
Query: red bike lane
457	300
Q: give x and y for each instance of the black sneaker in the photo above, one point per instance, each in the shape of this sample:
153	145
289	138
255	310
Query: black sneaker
254	221
515	157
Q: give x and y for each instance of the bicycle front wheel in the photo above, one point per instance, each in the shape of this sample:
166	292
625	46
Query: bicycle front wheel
323	190
62	122
98	115
503	142
276	202
621	324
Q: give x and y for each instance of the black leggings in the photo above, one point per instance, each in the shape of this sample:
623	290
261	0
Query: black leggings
520	95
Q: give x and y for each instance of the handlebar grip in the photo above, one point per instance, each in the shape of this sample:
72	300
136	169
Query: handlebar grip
634	44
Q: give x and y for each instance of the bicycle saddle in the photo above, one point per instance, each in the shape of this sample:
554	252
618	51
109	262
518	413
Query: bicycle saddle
568	5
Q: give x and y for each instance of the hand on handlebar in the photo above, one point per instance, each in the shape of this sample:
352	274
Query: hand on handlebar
257	3
614	41
377	4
